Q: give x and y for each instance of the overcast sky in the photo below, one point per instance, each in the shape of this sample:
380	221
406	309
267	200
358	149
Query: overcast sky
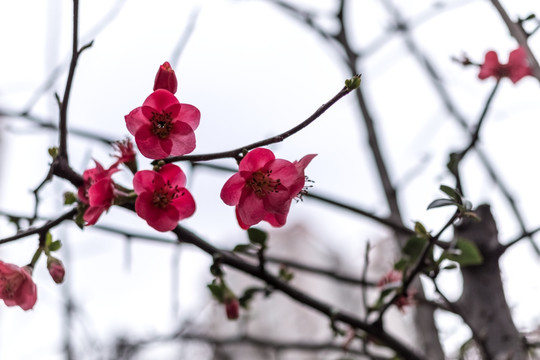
253	71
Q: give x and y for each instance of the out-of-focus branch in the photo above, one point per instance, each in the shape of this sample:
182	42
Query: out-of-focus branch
375	331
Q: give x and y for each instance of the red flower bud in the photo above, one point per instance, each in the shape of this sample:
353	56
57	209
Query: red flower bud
165	78
56	269
232	308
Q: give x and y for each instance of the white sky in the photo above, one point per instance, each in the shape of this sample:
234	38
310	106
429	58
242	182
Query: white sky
253	72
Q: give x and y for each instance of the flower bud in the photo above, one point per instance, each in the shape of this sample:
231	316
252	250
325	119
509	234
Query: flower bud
56	269
232	308
165	78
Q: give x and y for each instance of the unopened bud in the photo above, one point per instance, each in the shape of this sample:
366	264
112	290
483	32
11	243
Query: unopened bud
232	308
165	78
56	269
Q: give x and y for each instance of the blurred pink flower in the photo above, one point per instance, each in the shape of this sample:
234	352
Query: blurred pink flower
264	187
163	126
162	198
516	69
165	78
17	286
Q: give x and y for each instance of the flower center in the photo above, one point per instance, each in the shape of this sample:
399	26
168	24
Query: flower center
163	197
262	184
161	124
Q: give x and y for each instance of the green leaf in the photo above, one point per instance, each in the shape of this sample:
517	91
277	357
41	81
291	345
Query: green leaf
414	247
242	248
218	291
440	203
55	245
401	264
257	236
285	274
452	193
248	295
69	198
467	254
53	152
420	229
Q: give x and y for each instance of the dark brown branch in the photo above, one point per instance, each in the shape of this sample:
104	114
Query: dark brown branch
48	225
236	153
377	332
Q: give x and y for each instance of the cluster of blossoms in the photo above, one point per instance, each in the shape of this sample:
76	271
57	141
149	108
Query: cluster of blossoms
263	189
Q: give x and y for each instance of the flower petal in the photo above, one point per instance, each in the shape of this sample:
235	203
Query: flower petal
250	208
160	100
135	119
190	115
256	159
232	190
173	175
184	204
146	181
182	139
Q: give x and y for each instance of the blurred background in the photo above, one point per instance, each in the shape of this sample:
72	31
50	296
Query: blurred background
254	68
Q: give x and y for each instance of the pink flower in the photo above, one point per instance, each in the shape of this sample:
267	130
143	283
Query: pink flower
393	280
162	126
162	199
264	187
56	269
97	191
17	286
516	69
126	155
165	78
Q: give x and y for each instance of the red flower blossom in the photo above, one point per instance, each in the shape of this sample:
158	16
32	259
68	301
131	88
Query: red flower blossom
264	187
17	286
162	126
97	191
165	78
162	199
516	69
126	155
56	269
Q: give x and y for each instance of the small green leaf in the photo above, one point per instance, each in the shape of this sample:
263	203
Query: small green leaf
467	254
53	152
452	193
353	83
248	295
285	274
69	198
401	264
55	245
257	236
218	291
440	203
414	247
242	248
420	229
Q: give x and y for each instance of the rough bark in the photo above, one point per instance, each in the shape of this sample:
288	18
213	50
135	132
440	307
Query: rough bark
483	305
